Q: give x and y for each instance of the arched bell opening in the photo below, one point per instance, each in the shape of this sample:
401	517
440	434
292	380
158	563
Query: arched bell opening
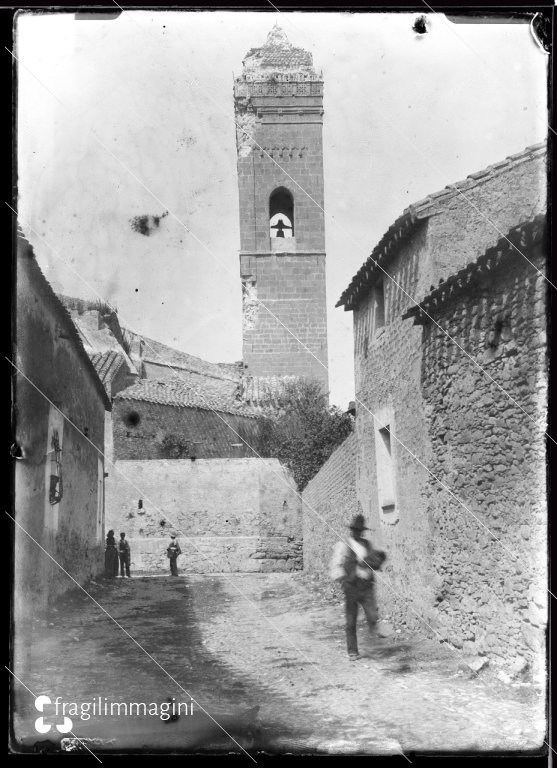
281	214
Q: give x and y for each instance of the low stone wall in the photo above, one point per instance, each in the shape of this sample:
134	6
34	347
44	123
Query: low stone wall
229	514
218	554
329	502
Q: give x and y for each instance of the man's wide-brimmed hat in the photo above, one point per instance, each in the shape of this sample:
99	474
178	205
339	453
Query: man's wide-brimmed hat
358	523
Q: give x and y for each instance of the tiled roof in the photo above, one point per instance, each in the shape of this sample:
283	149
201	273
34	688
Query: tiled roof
423	209
264	391
520	238
160	354
25	249
278	53
107	365
182	396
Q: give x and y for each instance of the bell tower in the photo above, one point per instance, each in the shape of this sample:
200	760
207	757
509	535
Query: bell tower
278	102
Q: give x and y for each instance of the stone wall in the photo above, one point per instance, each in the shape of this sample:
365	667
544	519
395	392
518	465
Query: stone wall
229	514
290	287
475	220
387	374
490	596
388	369
50	354
259	175
140	427
329	503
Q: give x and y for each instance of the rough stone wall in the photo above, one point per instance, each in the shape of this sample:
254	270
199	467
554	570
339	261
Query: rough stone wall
298	149
209	434
331	495
490	452
50	357
229	514
472	222
387	375
292	287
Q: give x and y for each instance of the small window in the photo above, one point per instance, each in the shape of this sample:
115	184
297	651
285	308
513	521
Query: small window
53	468
378	307
281	213
385	473
56	488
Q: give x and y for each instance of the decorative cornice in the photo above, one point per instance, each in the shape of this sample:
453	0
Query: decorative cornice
283	152
278	87
282	253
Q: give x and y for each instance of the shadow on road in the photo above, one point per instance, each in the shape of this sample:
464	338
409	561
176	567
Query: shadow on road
82	655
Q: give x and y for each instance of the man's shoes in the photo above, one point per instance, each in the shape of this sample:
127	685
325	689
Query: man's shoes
354	656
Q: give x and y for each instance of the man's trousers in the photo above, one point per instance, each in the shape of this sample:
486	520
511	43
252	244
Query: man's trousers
359	592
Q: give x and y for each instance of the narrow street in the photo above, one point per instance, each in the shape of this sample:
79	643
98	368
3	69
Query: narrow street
264	656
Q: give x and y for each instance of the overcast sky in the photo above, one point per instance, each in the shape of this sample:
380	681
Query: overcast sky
135	116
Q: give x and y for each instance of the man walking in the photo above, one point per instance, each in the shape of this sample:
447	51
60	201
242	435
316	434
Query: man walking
124	553
172	552
353	565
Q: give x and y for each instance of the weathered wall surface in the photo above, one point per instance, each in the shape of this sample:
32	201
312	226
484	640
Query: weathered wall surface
292	288
388	368
331	495
209	435
48	352
490	452
258	176
476	219
229	514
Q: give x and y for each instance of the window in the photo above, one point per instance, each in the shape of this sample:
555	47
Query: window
56	489
53	469
386	490
100	499
378	308
281	214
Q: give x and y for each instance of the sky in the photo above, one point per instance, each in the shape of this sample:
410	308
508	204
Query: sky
134	116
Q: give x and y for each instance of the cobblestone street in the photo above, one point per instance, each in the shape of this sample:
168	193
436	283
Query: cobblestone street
265	656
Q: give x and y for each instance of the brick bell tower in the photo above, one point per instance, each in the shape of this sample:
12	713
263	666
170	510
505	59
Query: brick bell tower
278	102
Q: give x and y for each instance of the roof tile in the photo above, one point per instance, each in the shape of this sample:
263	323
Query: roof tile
527	233
180	395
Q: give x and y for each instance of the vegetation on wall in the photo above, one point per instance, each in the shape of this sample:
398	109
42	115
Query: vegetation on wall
305	431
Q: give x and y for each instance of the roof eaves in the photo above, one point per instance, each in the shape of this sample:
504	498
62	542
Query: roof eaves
426	208
527	233
67	319
206	404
